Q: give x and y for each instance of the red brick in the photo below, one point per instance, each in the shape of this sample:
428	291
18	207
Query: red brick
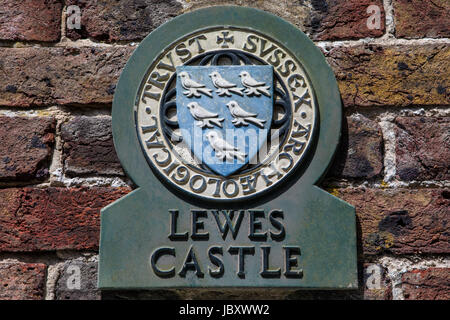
32	20
121	20
339	20
320	19
422	148
25	147
420	19
429	284
22	281
360	154
66	76
401	221
34	219
367	75
88	147
373	75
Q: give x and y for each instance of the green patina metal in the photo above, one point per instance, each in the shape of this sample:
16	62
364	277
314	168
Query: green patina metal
322	225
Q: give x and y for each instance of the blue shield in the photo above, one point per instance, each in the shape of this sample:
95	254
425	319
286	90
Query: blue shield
225	113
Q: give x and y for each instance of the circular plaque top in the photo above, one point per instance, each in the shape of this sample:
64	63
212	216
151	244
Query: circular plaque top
226	106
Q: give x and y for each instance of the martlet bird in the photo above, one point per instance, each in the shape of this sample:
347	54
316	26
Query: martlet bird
204	117
222	148
242	117
193	88
224	87
253	87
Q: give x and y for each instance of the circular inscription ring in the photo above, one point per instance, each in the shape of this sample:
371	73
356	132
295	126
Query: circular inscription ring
171	157
224	113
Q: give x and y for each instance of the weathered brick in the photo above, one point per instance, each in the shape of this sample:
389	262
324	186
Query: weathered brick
320	19
374	75
339	20
121	20
422	148
34	219
376	284
401	221
420	19
360	154
22	281
373	285
66	76
78	281
88	147
428	284
367	75
34	20
25	147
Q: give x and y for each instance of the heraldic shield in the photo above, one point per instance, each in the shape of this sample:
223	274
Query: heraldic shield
225	113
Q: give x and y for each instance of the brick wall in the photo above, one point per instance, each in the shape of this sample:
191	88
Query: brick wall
58	167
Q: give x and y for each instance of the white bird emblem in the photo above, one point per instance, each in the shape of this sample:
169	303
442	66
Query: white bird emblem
193	88
242	117
224	87
253	87
204	117
222	148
